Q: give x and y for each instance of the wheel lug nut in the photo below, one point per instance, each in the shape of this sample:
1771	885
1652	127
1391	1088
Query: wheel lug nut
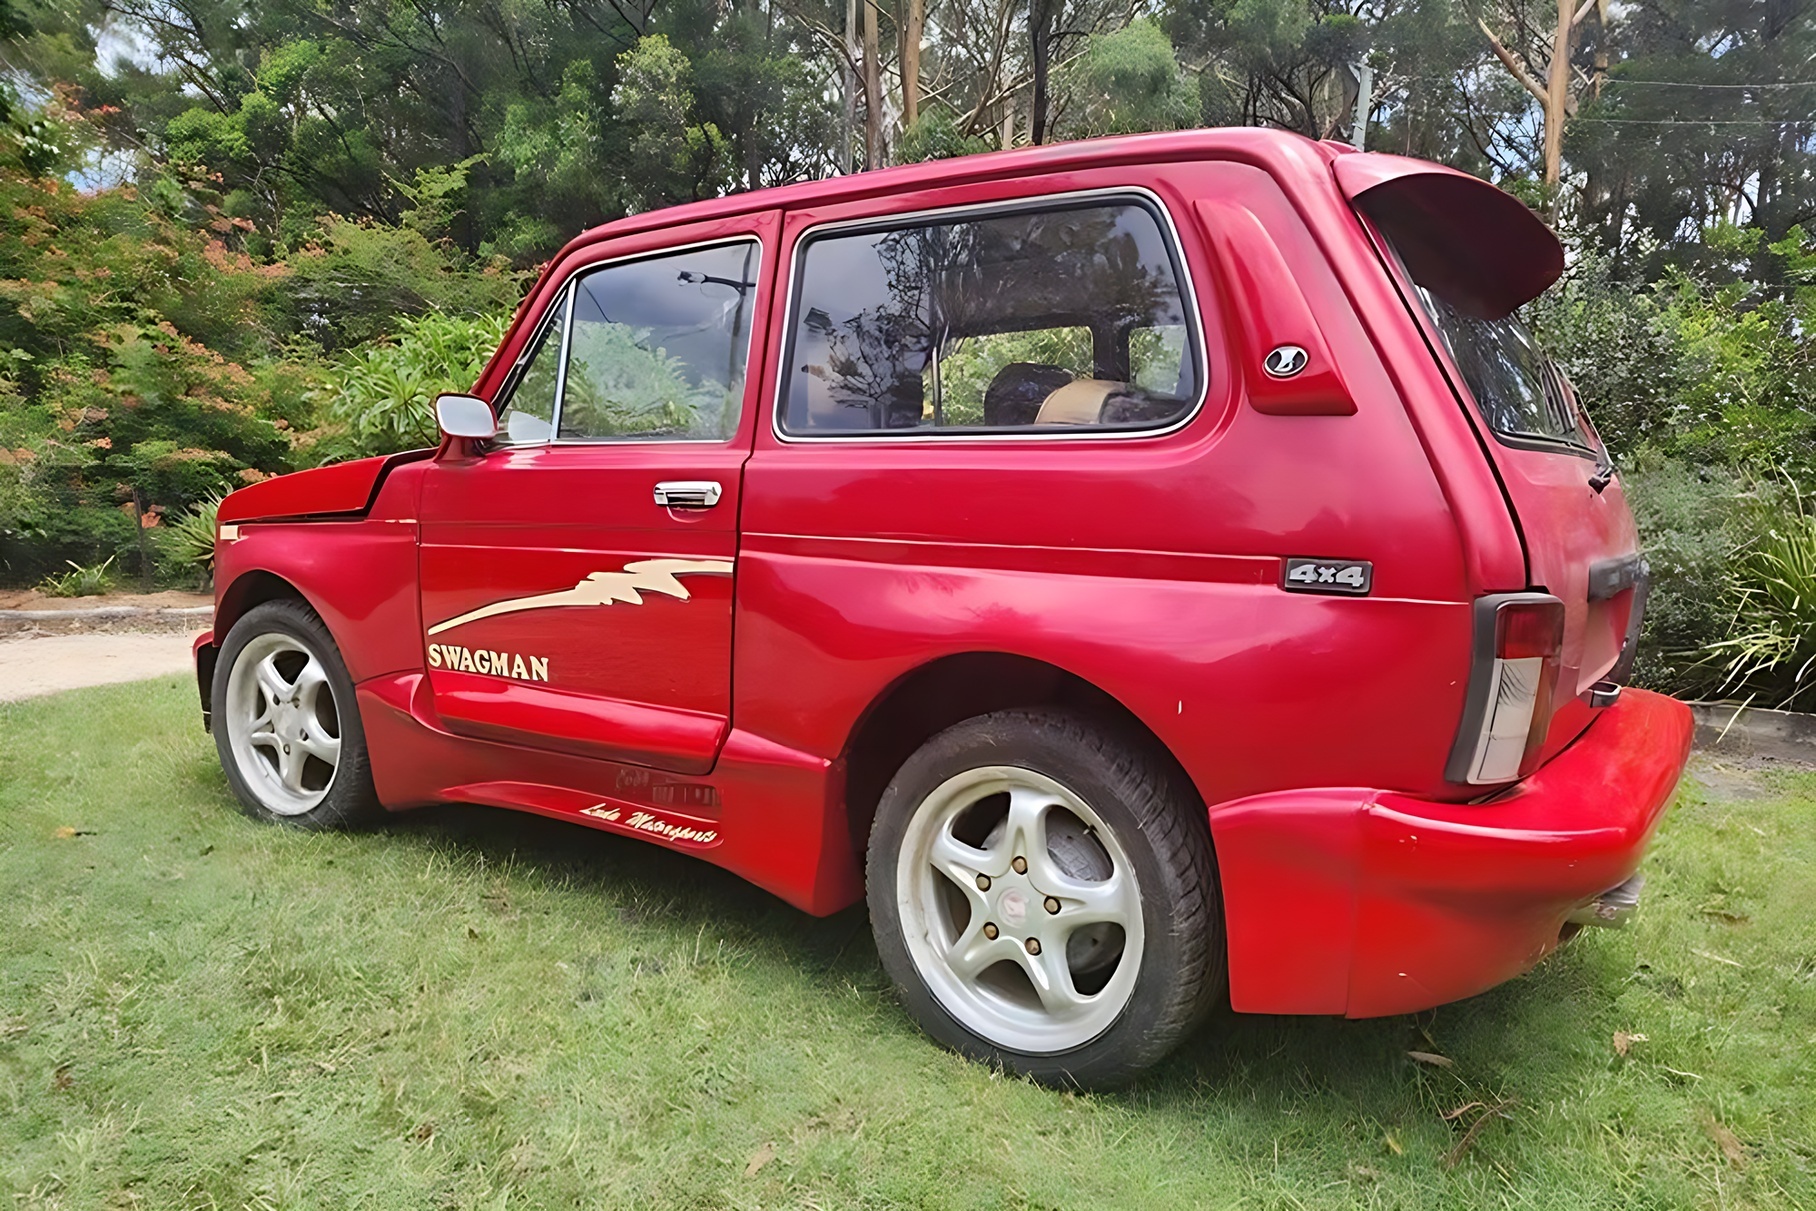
1021	865
1052	904
990	930
983	883
1033	946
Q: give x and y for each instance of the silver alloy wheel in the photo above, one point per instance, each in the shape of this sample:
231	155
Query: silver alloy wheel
1020	910
283	725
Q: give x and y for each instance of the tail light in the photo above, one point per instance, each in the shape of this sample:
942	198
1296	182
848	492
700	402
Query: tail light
1518	640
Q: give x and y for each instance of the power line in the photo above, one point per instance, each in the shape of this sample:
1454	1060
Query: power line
1698	121
1695	84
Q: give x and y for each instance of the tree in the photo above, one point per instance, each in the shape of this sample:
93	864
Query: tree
1128	81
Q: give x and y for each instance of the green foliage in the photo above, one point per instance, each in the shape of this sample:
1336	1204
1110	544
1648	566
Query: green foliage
1128	81
1770	650
678	159
618	385
379	399
935	136
188	542
1692	522
80	581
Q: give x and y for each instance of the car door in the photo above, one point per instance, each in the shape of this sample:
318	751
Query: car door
577	573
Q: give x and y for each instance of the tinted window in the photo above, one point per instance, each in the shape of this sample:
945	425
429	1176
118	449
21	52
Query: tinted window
1008	322
655	349
1516	387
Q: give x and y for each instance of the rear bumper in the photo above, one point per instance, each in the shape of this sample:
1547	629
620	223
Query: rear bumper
1365	902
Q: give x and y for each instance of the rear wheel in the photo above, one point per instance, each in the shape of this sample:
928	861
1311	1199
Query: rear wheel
1042	893
286	724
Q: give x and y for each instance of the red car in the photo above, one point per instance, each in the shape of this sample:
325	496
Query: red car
1152	570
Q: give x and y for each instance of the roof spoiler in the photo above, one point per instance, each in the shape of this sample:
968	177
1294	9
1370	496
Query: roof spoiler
1477	247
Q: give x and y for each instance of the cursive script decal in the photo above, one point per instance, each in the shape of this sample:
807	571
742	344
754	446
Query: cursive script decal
655	823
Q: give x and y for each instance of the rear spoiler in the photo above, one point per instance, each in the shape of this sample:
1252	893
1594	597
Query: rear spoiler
1478	247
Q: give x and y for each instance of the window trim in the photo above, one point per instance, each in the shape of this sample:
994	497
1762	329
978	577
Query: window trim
1139	194
565	299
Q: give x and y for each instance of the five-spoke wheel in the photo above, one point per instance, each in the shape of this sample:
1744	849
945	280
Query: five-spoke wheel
1041	889
281	718
1020	908
286	722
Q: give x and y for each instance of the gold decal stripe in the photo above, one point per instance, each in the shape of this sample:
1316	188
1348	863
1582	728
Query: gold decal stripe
604	588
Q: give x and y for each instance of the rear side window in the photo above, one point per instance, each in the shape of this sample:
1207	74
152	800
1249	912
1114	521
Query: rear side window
1057	318
1520	393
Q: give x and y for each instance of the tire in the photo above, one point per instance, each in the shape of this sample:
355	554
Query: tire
298	759
1089	856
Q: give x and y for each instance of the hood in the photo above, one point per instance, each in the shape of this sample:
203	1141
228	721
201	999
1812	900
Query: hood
340	490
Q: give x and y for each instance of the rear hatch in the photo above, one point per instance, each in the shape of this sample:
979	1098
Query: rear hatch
1467	256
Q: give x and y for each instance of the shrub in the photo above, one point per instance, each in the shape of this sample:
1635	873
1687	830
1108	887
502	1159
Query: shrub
1770	650
187	544
1692	520
379	399
90	581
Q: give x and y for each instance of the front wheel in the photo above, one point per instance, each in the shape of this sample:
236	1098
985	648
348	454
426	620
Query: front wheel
1042	893
286	724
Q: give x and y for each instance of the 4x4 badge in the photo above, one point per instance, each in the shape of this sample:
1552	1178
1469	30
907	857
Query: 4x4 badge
604	588
1349	577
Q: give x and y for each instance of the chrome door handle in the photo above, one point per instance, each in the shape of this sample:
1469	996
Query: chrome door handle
688	493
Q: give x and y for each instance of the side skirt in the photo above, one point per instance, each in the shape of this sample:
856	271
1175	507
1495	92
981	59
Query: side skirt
771	814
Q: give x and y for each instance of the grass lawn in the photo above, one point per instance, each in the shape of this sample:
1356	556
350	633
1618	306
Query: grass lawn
482	1009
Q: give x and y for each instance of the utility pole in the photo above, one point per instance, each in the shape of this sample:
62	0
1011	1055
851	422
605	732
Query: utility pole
1365	101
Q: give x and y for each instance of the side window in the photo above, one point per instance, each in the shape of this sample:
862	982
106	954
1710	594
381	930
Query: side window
528	415
1045	319
656	348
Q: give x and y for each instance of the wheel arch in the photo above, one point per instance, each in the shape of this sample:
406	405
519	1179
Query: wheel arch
928	699
249	589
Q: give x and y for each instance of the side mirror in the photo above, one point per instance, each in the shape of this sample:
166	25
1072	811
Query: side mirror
465	416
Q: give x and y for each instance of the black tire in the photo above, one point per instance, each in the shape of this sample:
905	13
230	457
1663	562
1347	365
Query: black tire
350	800
1158	821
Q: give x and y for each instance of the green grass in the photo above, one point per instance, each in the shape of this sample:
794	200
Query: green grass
479	1009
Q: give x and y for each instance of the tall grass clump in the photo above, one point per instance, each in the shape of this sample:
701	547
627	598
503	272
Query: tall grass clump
1769	653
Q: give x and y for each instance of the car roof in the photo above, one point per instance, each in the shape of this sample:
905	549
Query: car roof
1278	150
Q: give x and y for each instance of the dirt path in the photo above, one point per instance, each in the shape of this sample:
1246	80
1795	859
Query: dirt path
44	665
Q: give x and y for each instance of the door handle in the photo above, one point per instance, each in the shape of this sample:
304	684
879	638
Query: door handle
688	493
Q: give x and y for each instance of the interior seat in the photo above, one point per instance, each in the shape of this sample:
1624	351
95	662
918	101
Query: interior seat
1016	393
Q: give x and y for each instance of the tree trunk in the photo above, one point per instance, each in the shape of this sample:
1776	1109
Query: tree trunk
873	90
1557	97
145	562
912	32
848	82
1040	46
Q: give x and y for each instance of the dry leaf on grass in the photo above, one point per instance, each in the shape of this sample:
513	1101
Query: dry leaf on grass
1432	1058
66	832
1623	1041
1725	1139
762	1156
1498	1110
